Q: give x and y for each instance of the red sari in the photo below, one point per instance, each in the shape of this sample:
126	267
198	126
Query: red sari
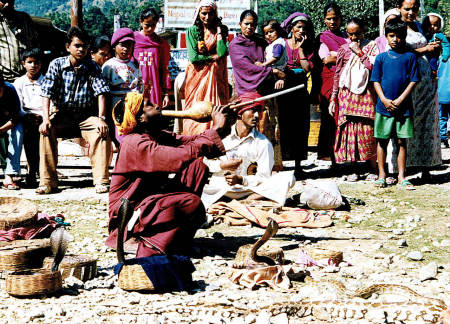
328	124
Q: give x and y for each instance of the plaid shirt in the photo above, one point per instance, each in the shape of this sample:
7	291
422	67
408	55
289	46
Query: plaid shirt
74	89
17	34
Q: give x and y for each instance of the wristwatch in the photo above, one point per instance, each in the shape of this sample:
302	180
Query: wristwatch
102	117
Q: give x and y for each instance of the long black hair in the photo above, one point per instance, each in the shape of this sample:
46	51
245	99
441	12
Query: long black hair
332	6
198	23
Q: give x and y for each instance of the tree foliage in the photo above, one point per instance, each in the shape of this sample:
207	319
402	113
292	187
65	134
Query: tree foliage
367	10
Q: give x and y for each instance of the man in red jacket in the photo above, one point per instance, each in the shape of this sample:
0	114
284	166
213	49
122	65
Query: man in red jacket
167	211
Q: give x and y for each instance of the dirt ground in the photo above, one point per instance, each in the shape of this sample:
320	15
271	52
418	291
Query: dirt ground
375	235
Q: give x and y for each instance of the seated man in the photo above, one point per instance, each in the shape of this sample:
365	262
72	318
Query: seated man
167	211
247	166
77	90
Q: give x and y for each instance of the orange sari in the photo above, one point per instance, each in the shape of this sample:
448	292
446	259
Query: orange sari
206	81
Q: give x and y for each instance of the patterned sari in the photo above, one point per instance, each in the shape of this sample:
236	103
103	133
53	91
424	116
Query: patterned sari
355	112
206	81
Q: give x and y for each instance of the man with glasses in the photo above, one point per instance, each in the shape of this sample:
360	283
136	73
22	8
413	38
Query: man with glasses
74	105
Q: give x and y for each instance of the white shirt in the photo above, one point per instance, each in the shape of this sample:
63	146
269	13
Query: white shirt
282	61
29	93
253	148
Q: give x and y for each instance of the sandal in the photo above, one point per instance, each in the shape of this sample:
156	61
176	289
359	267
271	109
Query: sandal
11	186
45	190
380	183
406	184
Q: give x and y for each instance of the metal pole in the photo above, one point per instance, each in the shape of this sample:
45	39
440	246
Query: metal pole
76	13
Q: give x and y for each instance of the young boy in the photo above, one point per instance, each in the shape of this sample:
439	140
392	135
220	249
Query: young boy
28	89
394	75
78	91
9	116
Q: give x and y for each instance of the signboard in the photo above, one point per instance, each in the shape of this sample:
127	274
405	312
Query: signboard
180	14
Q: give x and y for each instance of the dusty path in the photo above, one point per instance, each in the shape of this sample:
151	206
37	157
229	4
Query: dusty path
370	241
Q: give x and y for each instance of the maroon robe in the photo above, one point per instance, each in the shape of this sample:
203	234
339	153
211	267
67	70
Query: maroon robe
171	209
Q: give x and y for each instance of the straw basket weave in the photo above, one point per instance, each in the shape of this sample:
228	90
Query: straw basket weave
16	212
33	282
318	253
133	277
23	254
82	267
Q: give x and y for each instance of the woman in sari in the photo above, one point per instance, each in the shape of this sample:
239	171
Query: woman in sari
424	149
330	41
353	100
206	73
295	106
153	53
246	52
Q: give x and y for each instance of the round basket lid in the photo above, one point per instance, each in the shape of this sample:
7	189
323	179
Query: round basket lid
15	212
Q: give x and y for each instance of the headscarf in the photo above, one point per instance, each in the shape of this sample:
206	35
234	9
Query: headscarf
249	96
133	102
296	16
204	3
436	15
390	12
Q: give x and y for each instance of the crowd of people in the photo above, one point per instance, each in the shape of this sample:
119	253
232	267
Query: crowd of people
382	100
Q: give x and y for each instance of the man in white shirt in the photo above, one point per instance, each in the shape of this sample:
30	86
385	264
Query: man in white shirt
246	169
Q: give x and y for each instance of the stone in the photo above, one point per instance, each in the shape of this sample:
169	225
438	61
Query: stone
417	218
428	272
415	256
402	243
201	233
425	249
397	232
280	319
263	318
238	320
330	269
445	243
250	319
348	225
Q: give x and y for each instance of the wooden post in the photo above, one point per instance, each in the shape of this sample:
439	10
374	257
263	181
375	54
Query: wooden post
381	15
76	13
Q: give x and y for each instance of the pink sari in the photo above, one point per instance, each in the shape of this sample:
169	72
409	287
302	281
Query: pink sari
153	54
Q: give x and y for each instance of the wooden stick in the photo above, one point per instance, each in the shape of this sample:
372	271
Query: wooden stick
270	96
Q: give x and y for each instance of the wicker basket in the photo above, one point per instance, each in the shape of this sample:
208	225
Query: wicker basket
33	282
16	212
82	267
318	253
23	254
133	277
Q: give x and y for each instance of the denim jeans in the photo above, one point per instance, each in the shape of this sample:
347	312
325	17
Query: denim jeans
15	139
444	112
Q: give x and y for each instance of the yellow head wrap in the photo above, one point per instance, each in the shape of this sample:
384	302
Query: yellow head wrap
133	102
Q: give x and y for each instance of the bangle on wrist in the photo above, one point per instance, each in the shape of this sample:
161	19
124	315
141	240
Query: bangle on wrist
303	59
360	54
102	117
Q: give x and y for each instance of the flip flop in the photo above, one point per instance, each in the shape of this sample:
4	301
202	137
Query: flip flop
406	184
380	183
